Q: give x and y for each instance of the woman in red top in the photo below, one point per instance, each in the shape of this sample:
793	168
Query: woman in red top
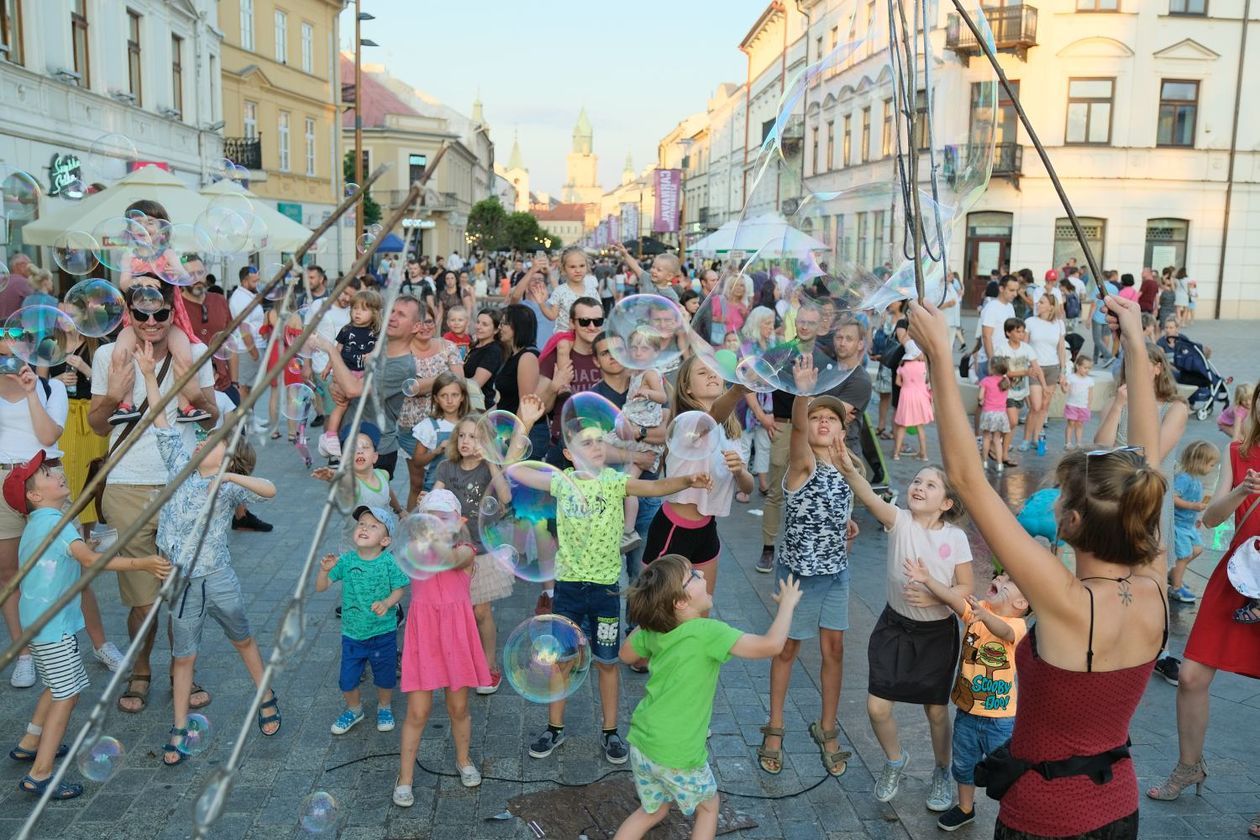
1217	641
1083	669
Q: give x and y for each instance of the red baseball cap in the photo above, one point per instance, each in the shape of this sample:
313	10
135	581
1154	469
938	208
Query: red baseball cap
1052	274
15	483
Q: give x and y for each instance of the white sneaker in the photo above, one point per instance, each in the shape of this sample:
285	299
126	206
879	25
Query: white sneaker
23	673
109	655
469	776
329	445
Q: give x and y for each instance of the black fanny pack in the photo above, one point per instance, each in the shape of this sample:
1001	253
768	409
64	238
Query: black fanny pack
999	770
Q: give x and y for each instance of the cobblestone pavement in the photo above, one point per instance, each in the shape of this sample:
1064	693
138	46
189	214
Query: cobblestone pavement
147	800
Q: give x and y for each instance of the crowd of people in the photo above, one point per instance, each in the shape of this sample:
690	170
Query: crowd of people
524	334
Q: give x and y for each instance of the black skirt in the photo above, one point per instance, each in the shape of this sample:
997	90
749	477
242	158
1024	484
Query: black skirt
912	661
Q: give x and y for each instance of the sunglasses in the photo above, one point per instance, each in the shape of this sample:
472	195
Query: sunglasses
160	316
12	333
1098	455
590	322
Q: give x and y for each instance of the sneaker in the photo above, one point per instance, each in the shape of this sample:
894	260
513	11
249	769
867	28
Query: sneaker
543	605
23	672
191	414
765	563
1168	667
890	778
125	413
496	679
329	445
630	540
1182	594
250	522
999	468
955	818
941	796
403	797
384	719
546	743
346	721
1025	446
469	776
615	749
109	655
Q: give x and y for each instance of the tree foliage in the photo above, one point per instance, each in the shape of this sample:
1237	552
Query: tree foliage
371	210
522	232
487	222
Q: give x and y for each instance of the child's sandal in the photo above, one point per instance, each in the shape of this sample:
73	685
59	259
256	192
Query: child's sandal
264	720
20	753
36	787
765	755
831	761
169	748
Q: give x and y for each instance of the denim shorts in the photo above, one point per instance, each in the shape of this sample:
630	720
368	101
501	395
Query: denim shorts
407	442
596	609
824	603
1184	541
974	738
381	651
216	595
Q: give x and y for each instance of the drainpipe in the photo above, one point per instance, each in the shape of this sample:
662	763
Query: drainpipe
1233	148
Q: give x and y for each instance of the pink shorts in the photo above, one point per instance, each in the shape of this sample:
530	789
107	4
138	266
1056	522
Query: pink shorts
1076	413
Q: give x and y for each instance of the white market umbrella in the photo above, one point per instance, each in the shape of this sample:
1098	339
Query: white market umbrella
718	242
149	182
772	229
283	234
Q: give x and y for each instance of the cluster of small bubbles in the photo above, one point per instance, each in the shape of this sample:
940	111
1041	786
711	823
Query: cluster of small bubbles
121	242
225	169
694	436
101	759
297	403
517	522
74	252
38	334
197	740
426	542
647	332
319	813
95	307
546	658
501	436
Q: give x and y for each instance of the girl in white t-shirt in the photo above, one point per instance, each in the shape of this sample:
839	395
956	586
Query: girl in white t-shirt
1076	408
913	650
450	405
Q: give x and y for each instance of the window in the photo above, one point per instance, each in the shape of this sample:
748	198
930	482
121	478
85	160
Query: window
416	165
177	73
247	24
877	236
861	239
282	128
813	161
308	48
831	145
1097	6
922	129
886	140
1166	243
1178	106
870	27
818	48
310	146
11	30
846	143
79	42
1187	7
133	55
250	118
1089	111
835	37
282	37
1067	246
866	134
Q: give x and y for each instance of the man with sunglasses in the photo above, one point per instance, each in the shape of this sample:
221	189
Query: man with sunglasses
586	315
141	473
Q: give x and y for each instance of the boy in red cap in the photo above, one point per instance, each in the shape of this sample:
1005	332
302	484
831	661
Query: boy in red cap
40	493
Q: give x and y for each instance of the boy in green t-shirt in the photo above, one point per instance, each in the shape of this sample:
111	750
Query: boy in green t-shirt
590	519
371	585
668	730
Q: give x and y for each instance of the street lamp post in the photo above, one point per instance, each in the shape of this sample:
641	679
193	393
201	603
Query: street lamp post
359	17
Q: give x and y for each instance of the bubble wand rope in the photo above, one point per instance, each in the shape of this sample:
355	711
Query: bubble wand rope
85	495
1036	141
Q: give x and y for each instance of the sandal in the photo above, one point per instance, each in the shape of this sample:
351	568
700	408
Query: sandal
169	748
132	694
22	754
831	761
743	498
64	790
1248	615
275	435
263	720
765	755
195	690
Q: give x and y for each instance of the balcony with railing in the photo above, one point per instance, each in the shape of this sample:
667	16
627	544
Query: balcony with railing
1008	161
1014	31
244	151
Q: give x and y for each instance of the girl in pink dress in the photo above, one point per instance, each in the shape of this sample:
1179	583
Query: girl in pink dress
914	406
441	649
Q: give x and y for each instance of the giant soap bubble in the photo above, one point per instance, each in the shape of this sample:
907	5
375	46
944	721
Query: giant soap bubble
546	658
520	531
95	306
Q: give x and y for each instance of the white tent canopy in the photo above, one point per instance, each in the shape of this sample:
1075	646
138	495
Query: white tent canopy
283	234
751	235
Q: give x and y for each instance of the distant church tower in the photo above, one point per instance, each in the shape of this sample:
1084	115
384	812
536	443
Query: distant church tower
580	187
518	175
627	174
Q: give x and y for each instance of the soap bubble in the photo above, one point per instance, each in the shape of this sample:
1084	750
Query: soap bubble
521	532
351	189
147	299
110	157
694	436
122	243
228	231
495	432
426	544
365	243
291	275
38	334
546	658
95	306
21	193
189	239
411	388
298	402
197	740
101	759
587	421
646	332
319	812
74	252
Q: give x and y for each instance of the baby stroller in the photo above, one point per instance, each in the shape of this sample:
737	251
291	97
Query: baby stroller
1191	366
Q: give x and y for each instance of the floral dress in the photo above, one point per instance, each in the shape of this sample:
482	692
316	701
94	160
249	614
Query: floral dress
415	409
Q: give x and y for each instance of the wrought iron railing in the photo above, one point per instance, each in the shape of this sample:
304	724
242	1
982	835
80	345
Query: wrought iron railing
244	151
1014	30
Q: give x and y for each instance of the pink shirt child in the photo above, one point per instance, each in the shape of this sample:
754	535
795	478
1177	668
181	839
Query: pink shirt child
994	396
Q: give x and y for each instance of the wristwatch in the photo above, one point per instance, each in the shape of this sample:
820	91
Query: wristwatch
642	433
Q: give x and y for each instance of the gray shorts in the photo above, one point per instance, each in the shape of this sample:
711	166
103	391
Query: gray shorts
247	368
824	603
217	595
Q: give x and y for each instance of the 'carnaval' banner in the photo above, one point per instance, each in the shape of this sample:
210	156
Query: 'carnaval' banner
668	183
629	220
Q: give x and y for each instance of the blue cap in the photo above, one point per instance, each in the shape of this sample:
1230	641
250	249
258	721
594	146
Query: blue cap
382	515
365	428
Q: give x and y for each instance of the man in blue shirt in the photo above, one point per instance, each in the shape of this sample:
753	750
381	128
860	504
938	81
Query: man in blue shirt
1103	356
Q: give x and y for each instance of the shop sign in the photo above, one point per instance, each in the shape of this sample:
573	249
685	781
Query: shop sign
65	176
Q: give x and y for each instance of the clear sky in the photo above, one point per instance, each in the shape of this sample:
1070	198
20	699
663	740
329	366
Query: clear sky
638	67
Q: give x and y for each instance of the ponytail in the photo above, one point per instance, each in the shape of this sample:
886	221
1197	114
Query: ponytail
1004	384
1106	491
1140	505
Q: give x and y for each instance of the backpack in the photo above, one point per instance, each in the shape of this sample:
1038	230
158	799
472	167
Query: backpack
1072	305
